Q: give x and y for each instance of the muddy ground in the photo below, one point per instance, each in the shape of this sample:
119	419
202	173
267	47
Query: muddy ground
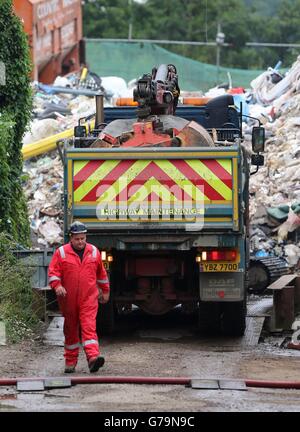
165	347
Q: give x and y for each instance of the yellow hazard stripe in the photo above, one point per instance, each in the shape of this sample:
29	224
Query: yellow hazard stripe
126	178
177	176
226	164
165	165
235	195
94	179
70	185
214	181
79	165
152	185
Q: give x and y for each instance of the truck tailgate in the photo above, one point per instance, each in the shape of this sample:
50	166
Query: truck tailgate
189	189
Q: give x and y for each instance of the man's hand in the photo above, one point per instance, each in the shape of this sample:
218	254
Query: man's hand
103	297
61	291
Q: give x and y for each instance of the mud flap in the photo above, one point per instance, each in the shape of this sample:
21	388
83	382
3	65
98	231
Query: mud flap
233	318
209	318
222	286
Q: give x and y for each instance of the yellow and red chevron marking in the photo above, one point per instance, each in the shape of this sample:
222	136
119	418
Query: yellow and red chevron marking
97	181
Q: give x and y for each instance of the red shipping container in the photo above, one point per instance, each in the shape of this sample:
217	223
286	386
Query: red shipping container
54	28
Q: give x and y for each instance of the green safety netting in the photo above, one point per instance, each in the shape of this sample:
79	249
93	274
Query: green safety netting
131	60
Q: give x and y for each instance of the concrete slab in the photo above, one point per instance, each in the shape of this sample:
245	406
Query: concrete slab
2	333
232	385
36	385
55	334
57	323
262	307
253	330
50	383
204	384
251	336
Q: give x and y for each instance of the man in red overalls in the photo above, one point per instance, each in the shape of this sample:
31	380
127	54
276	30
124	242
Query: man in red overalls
77	275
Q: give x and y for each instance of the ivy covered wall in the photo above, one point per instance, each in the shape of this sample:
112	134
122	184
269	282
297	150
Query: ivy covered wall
15	112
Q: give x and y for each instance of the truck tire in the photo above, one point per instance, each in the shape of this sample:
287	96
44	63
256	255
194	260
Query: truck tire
233	318
209	318
105	321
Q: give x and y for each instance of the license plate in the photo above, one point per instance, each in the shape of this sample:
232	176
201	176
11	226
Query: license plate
220	267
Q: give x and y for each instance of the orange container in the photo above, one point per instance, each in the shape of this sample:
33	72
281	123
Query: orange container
54	29
198	101
126	101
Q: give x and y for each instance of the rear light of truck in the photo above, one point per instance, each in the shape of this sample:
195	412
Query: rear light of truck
217	255
106	257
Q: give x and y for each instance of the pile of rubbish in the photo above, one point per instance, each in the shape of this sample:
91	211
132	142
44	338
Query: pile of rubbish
58	107
274	99
43	187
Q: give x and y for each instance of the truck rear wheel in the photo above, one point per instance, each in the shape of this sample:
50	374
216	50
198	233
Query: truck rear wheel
105	322
233	318
209	318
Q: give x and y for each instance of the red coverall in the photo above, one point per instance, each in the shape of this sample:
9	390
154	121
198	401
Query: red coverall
80	305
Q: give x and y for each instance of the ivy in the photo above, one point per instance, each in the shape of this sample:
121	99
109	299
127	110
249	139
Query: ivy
15	110
6	135
19	307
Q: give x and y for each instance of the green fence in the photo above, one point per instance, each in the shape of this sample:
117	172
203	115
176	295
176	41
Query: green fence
131	60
